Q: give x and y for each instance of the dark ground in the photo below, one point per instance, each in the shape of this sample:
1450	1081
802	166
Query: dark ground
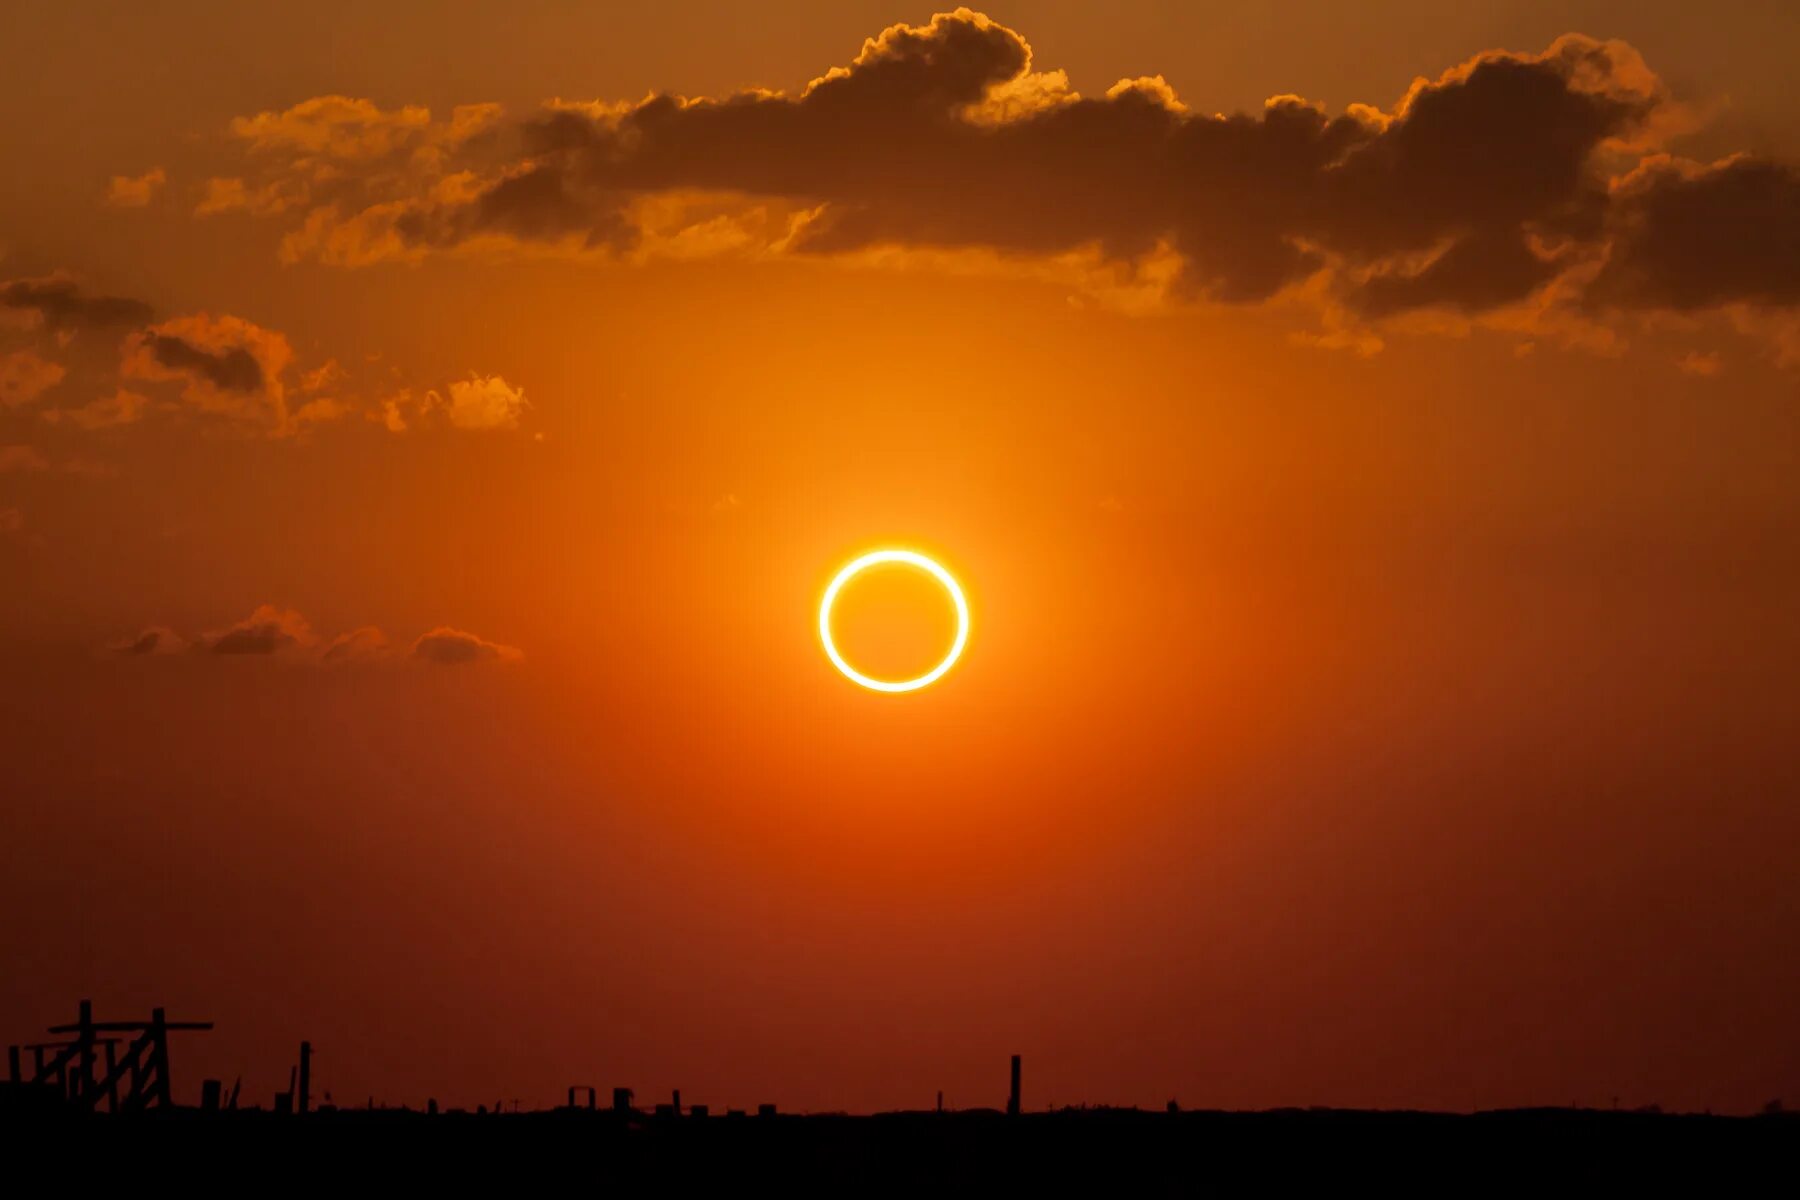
1103	1151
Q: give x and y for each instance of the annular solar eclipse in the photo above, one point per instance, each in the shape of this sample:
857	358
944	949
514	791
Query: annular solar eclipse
909	558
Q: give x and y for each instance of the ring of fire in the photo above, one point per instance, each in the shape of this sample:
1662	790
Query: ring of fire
911	559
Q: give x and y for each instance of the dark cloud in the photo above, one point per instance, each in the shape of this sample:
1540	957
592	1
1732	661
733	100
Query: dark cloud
155	639
274	631
1690	237
1479	272
918	143
536	203
61	304
234	369
1472	192
268	630
453	647
229	368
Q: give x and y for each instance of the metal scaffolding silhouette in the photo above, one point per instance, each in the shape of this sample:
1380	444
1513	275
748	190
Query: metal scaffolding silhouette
136	1074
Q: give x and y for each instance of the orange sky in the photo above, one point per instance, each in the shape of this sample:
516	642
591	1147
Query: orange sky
1377	511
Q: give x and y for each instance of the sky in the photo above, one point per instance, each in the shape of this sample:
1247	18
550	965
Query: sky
1366	436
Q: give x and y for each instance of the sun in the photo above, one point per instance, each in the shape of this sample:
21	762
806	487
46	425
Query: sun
909	558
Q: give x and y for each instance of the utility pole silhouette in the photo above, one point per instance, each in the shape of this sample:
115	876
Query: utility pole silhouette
1012	1101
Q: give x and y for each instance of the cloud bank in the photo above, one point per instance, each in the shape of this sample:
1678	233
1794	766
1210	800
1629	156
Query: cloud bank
1513	181
222	369
271	631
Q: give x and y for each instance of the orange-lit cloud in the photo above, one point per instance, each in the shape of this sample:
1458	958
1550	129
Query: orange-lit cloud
25	376
480	403
223	368
135	191
485	402
225	195
344	129
122	407
227	367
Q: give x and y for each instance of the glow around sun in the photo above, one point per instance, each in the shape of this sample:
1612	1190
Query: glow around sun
909	558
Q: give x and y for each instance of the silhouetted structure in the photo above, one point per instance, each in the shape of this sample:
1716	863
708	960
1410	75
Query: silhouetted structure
142	1068
1100	1149
305	1103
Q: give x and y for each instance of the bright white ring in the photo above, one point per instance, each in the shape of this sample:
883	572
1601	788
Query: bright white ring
876	558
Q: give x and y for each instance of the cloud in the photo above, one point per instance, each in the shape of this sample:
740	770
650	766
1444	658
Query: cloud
59	304
453	647
275	632
25	376
135	191
323	147
485	402
227	367
154	639
480	403
123	407
1688	236
942	135
1508	184
268	630
22	458
359	645
333	127
225	195
325	375
1694	362
393	409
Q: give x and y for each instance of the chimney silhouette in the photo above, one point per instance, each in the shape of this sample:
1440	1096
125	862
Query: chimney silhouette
305	1077
1012	1101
